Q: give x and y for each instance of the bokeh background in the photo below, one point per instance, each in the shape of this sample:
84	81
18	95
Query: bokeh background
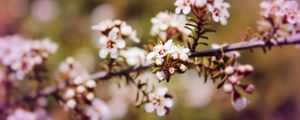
68	23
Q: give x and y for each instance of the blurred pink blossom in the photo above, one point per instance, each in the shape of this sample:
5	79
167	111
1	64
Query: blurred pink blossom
44	10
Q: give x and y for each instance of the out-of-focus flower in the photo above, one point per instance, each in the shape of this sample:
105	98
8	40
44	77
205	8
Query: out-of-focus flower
44	10
219	10
135	57
281	18
112	37
79	87
235	75
228	54
278	8
22	55
184	6
240	103
166	25
98	110
21	114
197	94
159	101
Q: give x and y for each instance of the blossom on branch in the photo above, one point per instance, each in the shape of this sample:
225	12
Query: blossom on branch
200	8
113	36
78	87
159	101
219	11
166	25
169	59
22	55
281	18
235	75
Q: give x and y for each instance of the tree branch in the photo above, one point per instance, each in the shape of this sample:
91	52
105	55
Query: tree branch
251	44
246	45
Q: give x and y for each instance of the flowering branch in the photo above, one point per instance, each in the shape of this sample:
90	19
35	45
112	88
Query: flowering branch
245	45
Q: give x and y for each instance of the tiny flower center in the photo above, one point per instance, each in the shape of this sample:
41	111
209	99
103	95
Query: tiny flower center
110	44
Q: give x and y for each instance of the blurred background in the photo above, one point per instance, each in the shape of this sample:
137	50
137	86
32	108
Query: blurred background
68	23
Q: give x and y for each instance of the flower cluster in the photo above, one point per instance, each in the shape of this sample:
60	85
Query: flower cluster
112	37
235	74
217	8
169	58
21	55
166	25
281	18
78	87
159	101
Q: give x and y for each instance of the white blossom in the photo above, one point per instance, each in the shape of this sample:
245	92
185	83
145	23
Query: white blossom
165	24
71	103
184	6
229	70
70	93
113	36
161	50
219	10
110	45
159	102
228	88
161	75
169	48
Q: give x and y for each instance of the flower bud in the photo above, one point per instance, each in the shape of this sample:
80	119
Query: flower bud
182	68
233	79
90	84
78	80
227	88
161	75
71	103
172	70
229	70
80	89
70	93
241	69
90	96
250	88
249	68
